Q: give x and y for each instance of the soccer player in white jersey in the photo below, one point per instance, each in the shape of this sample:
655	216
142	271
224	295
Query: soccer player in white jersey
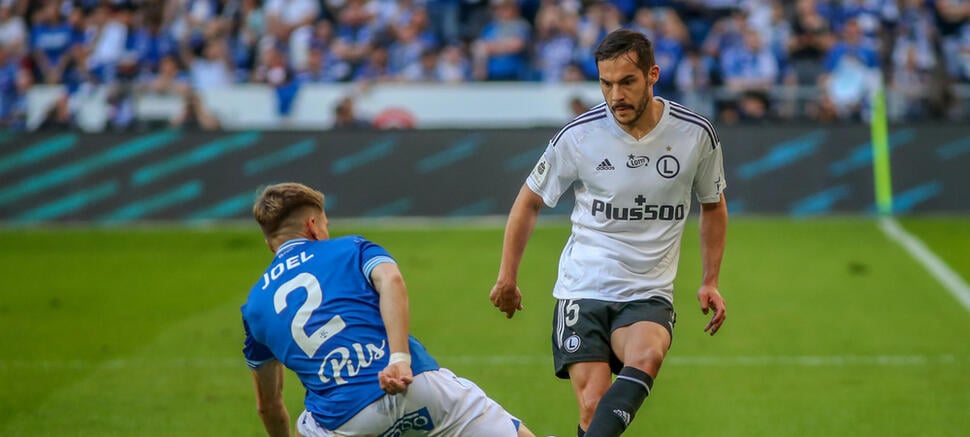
335	312
633	163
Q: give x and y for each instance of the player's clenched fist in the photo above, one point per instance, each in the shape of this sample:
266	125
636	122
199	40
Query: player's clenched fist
507	298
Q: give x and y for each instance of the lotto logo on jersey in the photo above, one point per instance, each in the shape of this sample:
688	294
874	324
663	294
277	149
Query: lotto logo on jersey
642	210
414	421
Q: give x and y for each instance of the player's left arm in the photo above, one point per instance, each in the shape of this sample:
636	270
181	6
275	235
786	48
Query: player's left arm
268	382
713	232
709	184
389	283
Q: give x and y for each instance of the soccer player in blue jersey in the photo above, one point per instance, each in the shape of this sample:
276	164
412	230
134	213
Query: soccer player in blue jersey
633	163
335	312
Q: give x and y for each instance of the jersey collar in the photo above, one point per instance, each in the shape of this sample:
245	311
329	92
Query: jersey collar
290	244
626	137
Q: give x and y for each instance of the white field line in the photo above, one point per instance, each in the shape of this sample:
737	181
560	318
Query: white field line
950	279
674	360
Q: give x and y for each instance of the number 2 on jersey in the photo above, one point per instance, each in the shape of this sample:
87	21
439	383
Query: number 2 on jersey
314	298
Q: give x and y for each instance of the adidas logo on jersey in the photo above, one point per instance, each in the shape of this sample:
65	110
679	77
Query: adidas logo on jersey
624	416
605	165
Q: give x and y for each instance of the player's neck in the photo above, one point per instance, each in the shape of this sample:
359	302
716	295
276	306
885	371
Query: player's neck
648	121
280	240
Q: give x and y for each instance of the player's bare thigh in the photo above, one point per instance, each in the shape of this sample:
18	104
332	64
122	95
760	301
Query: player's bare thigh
642	345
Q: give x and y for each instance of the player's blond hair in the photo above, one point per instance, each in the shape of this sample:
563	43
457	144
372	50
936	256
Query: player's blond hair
280	203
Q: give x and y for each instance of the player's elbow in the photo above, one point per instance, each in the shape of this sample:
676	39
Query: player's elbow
270	408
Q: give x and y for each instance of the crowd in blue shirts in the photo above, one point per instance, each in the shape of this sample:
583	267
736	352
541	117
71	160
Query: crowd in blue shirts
747	50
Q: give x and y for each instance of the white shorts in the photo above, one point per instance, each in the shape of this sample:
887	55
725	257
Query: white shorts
437	403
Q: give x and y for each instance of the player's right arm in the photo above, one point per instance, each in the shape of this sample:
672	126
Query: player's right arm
394	308
522	221
551	176
268	382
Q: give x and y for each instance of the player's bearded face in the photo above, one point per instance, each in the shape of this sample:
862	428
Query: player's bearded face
625	89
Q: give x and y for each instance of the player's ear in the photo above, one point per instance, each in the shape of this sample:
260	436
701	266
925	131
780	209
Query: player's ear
653	75
310	227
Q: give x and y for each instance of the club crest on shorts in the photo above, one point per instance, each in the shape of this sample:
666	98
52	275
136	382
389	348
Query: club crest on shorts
419	420
572	343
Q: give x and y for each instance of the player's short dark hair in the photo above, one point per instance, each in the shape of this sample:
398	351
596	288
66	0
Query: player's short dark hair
279	202
622	41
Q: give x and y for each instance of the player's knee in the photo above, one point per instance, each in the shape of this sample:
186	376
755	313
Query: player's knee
647	360
588	402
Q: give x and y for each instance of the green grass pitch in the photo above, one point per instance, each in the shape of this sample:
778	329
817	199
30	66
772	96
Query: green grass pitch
832	330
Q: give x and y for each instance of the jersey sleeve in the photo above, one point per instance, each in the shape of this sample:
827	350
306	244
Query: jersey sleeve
709	181
553	174
371	256
255	352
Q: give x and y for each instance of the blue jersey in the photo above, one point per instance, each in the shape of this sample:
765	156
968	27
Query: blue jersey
316	310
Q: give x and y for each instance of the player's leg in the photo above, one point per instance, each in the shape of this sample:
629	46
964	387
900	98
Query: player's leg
524	431
581	351
458	407
641	347
590	381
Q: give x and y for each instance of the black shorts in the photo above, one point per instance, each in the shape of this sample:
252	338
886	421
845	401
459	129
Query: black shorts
581	328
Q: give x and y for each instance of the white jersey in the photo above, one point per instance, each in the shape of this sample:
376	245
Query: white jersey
632	199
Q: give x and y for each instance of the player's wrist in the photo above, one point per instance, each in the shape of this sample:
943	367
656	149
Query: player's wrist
400	357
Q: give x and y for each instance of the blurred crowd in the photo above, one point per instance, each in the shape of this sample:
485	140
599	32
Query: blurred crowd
733	59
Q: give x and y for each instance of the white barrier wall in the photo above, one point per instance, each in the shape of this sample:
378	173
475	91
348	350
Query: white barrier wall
251	106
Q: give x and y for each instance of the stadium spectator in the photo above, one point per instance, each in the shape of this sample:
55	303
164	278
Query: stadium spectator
13	31
908	85
425	70
953	24
274	71
170	79
290	23
322	66
644	23
151	44
750	66
554	42
668	48
573	72
500	51
811	39
53	44
693	78
727	34
851	70
345	116
776	34
406	49
375	69
355	35
194	115
214	69
598	19
109	42
453	65
444	17
577	107
9	77
871	16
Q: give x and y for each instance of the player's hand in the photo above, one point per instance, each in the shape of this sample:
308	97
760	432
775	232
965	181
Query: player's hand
395	378
711	299
507	298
